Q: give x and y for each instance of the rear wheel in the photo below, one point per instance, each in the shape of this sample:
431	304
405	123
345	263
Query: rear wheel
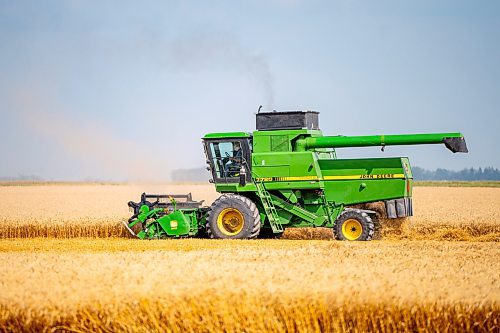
354	225
233	216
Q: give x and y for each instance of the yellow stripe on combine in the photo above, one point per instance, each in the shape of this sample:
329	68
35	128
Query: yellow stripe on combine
381	176
348	177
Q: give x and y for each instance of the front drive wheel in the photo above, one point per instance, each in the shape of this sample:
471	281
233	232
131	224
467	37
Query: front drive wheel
354	225
233	216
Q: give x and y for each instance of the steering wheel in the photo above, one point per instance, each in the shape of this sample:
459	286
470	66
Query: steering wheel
225	159
229	157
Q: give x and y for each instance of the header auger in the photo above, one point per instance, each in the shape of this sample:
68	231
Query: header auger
287	174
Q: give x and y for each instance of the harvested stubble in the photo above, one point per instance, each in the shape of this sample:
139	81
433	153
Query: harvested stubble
67	211
248	286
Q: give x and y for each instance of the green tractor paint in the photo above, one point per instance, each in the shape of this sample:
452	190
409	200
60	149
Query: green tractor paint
287	174
168	216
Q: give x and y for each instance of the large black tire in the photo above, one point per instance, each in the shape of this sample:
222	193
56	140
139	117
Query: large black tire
354	225
233	216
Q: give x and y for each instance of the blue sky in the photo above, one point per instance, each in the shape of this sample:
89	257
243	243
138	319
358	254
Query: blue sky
125	90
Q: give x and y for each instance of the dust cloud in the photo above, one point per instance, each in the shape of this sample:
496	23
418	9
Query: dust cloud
95	147
106	153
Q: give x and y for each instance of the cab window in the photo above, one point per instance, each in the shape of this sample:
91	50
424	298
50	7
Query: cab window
227	157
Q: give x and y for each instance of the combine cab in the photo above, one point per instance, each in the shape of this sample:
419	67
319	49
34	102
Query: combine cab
287	174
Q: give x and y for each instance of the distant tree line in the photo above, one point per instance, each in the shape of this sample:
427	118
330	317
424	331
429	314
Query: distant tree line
488	173
34	178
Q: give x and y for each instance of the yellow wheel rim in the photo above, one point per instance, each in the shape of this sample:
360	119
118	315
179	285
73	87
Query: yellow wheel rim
352	229
230	221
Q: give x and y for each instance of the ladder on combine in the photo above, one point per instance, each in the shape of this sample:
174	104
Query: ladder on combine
269	208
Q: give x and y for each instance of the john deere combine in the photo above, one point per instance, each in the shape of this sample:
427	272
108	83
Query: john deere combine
286	174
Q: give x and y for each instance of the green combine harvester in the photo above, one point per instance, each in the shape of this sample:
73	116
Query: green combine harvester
286	174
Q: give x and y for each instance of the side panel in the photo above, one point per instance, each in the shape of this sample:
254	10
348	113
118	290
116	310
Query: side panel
356	181
284	170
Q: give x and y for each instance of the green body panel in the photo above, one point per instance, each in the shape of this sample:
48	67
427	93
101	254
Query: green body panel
175	224
279	140
178	223
355	181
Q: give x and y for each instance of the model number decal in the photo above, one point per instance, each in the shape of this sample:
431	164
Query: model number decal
287	179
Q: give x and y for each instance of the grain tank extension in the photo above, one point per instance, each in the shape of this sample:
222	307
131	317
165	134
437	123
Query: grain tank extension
287	174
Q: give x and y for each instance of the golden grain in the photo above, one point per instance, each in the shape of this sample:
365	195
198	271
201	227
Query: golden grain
273	285
411	281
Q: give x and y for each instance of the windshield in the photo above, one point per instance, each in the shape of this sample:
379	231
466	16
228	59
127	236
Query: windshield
228	157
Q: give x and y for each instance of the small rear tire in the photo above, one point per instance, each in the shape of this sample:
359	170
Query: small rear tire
233	216
354	225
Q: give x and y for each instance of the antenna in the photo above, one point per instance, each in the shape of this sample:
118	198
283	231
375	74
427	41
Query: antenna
260	107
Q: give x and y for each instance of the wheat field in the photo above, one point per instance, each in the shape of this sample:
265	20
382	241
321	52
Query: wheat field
195	285
90	210
67	265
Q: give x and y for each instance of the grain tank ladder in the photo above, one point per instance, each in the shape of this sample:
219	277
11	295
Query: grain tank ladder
269	208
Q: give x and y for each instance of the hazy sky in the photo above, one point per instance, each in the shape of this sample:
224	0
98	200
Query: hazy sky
126	89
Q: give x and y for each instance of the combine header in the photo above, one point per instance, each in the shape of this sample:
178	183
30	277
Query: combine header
287	174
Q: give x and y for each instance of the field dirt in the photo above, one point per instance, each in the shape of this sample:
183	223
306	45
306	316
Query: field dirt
66	265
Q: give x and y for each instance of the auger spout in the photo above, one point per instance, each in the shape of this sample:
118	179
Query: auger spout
453	141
